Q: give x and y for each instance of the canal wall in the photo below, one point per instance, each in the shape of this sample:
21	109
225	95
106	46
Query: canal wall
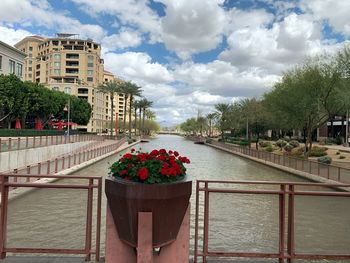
21	158
18	192
301	174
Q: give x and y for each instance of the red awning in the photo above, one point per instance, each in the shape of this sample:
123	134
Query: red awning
18	124
38	125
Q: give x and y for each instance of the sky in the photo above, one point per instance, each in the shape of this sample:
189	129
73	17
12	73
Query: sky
188	55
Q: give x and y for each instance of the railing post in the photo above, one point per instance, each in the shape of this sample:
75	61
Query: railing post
48	163
10	144
47	137
28	172
27	142
63	163
56	165
75	159
41	140
98	219
196	224
89	222
318	169
290	246
33	141
205	223
339	174
282	208
309	166
39	168
3	215
328	172
69	156
15	179
18	143
0	145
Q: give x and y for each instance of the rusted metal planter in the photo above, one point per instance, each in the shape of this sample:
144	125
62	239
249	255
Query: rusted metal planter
167	202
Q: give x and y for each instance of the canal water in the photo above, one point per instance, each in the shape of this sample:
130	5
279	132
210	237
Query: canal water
50	218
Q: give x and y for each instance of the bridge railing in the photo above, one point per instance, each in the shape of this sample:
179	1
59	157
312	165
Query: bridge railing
286	192
20	143
333	172
90	184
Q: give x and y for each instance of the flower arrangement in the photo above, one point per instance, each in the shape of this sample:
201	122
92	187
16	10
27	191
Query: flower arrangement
158	166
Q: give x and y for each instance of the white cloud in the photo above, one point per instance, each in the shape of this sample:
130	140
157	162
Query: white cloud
334	11
138	67
186	28
125	38
12	36
40	13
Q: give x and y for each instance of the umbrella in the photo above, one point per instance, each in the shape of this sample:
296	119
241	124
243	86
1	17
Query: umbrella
38	125
59	126
18	124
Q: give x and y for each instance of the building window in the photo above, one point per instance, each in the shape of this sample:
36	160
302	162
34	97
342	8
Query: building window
0	62
30	55
56	88
12	66
57	64
90	72
30	48
90	61
89	79
57	72
67	90
30	75
57	56
19	70
30	62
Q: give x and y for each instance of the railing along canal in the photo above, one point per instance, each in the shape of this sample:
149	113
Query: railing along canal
90	184
20	143
286	193
65	162
332	172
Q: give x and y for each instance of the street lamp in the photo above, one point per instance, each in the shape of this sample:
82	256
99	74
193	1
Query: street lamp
67	108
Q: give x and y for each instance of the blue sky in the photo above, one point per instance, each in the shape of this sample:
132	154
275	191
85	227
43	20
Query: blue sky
189	55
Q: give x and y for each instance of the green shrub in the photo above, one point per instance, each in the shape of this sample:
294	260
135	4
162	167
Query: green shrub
269	148
288	147
208	141
294	143
281	143
264	144
318	151
342	157
325	159
339	140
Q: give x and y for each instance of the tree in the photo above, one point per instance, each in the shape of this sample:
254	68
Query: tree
131	90
211	117
136	107
111	88
144	105
222	113
80	110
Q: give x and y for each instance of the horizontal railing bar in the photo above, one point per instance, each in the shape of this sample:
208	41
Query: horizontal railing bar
317	193
218	190
48	250
240	254
274	183
314	256
60	186
52	176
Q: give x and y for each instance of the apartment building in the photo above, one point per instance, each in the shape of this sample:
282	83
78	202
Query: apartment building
11	60
69	64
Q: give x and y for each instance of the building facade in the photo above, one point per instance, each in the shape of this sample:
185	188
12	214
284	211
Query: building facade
11	60
69	64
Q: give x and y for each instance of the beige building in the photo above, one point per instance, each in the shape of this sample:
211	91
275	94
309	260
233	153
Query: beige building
71	65
11	60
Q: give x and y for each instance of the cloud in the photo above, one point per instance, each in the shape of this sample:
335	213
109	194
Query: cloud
125	38
336	13
40	13
186	28
137	66
12	36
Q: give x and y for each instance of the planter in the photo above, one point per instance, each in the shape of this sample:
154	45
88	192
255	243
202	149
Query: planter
167	202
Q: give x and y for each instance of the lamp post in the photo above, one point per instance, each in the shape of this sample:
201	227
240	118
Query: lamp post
68	116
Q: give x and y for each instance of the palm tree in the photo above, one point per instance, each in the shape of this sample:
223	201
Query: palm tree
144	104
131	90
111	88
150	115
137	107
222	110
210	118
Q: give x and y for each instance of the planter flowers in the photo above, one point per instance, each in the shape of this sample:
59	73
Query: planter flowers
158	166
149	182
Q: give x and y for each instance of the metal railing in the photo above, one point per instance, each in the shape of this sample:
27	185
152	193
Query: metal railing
20	143
65	162
332	172
91	184
286	193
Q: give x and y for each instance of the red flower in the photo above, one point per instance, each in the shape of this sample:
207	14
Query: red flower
142	173
154	153
164	171
123	172
130	165
176	153
132	150
161	158
127	156
170	152
162	151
